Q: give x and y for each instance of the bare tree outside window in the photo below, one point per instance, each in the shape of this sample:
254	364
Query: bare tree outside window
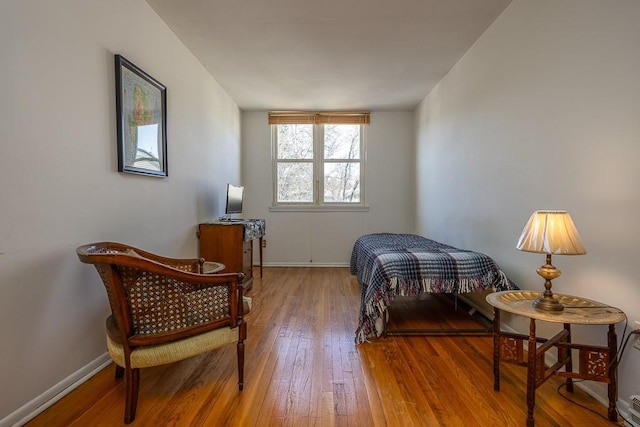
295	182
295	142
318	164
341	172
295	163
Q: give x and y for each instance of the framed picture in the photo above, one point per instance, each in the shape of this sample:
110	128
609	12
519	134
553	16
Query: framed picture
141	111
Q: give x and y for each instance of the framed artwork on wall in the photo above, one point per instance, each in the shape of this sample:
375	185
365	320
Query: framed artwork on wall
141	111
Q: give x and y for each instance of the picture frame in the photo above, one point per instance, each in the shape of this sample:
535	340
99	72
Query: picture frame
141	111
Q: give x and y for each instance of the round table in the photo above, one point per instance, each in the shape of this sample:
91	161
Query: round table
596	363
212	267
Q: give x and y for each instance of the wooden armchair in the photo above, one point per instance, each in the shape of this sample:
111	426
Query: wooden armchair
164	310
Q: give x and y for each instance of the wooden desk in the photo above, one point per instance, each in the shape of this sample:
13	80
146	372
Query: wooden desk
231	243
596	363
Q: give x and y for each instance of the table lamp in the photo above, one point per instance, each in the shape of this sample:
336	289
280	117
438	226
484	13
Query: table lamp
550	233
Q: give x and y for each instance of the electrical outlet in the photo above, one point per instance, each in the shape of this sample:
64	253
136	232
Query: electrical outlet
264	245
636	344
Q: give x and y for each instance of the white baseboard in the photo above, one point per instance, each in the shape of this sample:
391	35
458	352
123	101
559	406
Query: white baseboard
486	310
29	410
304	264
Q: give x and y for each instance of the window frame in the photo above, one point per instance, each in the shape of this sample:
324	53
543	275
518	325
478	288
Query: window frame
318	203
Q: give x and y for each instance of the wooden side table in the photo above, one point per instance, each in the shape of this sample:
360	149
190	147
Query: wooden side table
209	267
596	363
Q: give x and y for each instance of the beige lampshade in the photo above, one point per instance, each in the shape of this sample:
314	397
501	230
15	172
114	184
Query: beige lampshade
551	232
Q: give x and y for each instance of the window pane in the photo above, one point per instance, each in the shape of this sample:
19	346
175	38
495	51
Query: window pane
295	182
342	182
342	141
295	142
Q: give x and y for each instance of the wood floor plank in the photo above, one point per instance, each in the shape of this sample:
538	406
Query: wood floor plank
302	368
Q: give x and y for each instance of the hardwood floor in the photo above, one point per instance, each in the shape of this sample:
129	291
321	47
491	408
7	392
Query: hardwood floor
302	368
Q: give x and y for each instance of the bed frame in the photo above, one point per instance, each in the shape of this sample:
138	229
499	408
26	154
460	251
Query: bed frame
471	311
388	265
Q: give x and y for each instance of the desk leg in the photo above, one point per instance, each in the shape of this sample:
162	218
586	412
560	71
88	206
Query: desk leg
260	244
612	389
531	373
496	349
569	365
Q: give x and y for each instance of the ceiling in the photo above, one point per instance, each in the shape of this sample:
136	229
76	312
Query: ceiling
383	55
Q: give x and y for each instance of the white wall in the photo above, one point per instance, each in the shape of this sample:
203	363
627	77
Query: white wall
60	185
543	112
326	238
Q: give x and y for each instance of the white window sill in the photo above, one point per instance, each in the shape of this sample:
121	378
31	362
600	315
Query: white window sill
314	208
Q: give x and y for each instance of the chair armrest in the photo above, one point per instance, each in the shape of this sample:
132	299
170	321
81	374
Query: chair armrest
186	264
110	252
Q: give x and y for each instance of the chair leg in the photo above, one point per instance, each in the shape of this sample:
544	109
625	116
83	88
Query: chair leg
133	382
240	351
119	372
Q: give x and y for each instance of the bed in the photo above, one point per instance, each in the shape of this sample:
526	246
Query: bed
387	265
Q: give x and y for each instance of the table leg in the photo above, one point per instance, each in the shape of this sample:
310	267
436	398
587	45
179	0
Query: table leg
569	365
496	349
260	243
612	388
531	373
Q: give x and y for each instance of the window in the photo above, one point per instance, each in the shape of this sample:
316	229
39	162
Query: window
318	160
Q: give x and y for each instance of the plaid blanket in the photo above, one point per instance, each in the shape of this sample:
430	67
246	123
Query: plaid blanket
387	265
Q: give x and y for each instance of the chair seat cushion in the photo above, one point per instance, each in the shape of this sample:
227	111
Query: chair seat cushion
174	351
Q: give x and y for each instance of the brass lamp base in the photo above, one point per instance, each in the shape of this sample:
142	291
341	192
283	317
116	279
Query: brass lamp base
547	302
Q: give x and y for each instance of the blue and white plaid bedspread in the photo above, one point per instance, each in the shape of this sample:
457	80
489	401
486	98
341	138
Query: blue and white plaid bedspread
387	265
